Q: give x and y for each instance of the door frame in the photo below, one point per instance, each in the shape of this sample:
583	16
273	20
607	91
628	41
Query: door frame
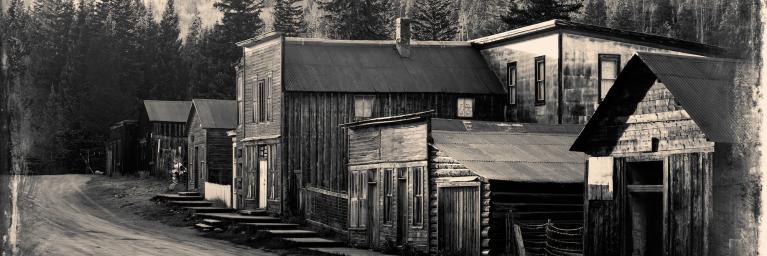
477	219
623	168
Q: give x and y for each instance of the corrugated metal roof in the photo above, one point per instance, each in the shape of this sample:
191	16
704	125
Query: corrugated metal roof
513	156
703	86
167	111
216	114
489	126
364	66
552	25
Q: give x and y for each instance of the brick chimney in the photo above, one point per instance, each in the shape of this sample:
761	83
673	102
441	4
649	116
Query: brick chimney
402	37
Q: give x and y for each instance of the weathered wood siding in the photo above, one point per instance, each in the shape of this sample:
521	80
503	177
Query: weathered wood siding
165	137
218	156
687	156
317	146
392	146
524	51
122	149
196	138
262	61
580	72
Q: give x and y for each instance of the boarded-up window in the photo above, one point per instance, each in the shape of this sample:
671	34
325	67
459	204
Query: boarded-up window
511	72
540	80
465	107
600	178
609	67
358	198
418	192
388	195
363	107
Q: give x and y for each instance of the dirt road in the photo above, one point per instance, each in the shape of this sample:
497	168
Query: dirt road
58	218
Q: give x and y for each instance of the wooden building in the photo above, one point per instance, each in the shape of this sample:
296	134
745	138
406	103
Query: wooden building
557	71
459	187
162	133
121	151
210	148
293	93
662	176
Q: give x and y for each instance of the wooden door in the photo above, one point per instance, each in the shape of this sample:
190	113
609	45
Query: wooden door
196	167
402	220
263	165
373	222
459	214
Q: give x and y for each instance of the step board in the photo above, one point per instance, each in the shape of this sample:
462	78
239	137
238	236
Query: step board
238	218
177	197
191	203
271	226
203	226
313	242
188	193
290	233
212	222
208	209
257	212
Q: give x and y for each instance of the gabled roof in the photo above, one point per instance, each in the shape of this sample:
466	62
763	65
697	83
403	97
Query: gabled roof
703	86
167	111
321	65
553	25
216	114
512	152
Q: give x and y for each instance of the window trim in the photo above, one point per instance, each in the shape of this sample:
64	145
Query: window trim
458	107
511	85
605	56
388	187
240	96
540	98
262	113
364	98
417	221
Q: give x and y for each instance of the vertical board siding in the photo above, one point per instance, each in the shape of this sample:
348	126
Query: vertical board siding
458	225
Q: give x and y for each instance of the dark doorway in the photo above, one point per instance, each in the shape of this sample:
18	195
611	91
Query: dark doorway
372	205
402	205
644	209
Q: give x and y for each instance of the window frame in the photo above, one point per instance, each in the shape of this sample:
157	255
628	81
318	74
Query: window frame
388	186
606	57
511	84
540	81
240	96
417	209
458	108
366	100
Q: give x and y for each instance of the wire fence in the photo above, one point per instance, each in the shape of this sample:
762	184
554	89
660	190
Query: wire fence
549	240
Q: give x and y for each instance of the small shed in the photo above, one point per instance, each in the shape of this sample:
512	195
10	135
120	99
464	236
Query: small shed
459	187
121	151
210	148
659	171
505	188
162	128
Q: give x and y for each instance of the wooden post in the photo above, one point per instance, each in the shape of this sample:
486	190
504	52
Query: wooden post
518	240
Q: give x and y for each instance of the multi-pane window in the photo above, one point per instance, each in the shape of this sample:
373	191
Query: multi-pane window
418	201
540	80
388	195
251	157
273	192
363	106
511	75
465	107
240	93
609	67
358	198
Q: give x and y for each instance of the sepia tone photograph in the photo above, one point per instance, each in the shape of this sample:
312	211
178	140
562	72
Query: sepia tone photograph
383	127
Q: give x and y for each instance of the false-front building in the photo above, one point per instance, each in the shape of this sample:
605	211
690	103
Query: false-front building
662	176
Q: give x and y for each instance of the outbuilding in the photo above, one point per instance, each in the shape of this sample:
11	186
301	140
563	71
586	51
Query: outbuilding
121	152
661	164
162	135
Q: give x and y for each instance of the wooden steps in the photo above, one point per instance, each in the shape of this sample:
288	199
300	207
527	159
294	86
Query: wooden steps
191	193
234	217
313	242
208	209
191	203
257	212
176	197
290	233
270	226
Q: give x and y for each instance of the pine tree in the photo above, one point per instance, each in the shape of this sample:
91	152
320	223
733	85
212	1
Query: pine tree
241	19
192	57
169	52
354	19
435	20
289	17
525	12
596	13
621	17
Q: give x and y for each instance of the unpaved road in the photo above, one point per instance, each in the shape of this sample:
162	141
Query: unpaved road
58	218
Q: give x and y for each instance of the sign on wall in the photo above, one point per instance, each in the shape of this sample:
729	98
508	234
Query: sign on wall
600	178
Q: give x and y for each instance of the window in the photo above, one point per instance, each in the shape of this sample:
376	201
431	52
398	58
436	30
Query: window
511	75
609	67
388	195
418	179
254	100
465	107
252	161
540	80
263	109
363	107
240	92
358	198
273	189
